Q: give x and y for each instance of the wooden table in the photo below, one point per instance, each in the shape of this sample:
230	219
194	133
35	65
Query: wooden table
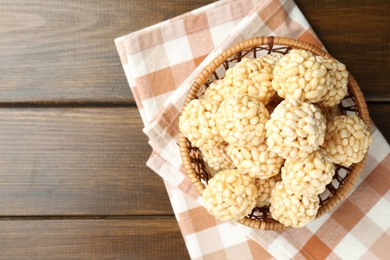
73	180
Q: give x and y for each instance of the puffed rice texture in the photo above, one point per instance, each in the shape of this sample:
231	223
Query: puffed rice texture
230	195
219	89
271	59
347	139
258	161
295	129
308	176
264	188
241	120
252	77
217	157
198	123
290	209
301	75
338	82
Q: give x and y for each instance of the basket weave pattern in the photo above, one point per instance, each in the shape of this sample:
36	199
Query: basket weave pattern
344	178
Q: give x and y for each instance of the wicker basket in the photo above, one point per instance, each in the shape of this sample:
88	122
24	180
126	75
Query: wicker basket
344	178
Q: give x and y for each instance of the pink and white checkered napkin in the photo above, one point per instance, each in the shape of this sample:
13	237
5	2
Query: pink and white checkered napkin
161	62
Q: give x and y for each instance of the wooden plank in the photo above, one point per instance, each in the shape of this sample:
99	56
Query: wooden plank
56	51
92	239
64	52
76	161
379	113
357	33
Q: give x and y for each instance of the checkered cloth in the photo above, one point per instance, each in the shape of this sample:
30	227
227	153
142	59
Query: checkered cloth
162	61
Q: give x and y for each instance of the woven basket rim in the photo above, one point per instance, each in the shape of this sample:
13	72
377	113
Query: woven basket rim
206	73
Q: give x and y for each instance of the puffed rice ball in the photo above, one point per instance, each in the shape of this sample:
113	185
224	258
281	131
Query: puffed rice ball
198	123
252	77
230	195
300	75
264	188
219	89
338	82
241	120
295	129
308	176
290	209
217	157
347	139
257	161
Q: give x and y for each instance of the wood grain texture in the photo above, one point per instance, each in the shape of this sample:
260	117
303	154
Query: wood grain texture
357	33
379	113
92	239
76	161
56	51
